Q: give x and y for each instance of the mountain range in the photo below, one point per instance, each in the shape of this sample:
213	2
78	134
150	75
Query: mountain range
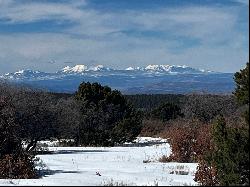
151	79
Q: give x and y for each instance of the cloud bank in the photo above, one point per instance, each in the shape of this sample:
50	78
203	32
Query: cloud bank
211	36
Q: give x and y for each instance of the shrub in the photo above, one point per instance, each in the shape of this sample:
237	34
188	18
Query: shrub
206	175
188	140
202	144
152	128
17	167
181	142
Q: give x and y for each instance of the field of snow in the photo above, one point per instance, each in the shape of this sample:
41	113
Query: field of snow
126	165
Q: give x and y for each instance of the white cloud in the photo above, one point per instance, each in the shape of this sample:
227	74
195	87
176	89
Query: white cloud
194	22
190	21
98	36
35	50
245	2
16	12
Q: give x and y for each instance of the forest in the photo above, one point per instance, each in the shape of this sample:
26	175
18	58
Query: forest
212	130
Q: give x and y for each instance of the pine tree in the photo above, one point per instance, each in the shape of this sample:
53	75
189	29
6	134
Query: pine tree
228	154
242	95
106	116
242	85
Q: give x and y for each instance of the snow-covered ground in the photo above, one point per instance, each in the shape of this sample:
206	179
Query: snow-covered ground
127	165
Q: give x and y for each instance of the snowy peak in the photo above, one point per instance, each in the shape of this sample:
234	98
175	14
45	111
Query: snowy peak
75	69
99	68
158	68
26	72
84	68
78	69
167	69
150	68
150	79
134	69
173	69
20	74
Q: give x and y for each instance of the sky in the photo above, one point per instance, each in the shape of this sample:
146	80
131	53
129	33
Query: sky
48	35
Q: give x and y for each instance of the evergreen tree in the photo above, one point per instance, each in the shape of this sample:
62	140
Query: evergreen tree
242	85
106	116
242	94
230	153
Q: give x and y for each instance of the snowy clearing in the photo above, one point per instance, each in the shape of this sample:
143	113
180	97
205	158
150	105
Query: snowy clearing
128	165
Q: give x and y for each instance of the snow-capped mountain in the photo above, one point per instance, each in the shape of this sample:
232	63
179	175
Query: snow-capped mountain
148	79
173	69
24	74
78	69
149	68
84	68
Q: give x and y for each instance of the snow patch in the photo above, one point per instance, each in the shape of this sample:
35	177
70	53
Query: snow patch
114	165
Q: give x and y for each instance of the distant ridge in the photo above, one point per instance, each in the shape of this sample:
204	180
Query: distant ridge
132	80
84	68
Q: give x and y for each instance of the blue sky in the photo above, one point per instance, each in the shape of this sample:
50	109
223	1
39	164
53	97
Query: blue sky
208	34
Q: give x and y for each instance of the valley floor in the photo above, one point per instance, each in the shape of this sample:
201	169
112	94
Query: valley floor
128	165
